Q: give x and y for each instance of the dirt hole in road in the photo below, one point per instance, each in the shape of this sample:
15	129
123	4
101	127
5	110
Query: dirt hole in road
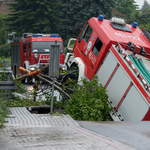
39	109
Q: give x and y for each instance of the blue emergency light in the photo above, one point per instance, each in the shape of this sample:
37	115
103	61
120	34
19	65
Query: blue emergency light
45	35
101	17
134	24
54	35
36	35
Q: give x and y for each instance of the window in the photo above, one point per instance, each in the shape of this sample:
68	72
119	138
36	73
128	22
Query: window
44	47
83	32
87	34
97	46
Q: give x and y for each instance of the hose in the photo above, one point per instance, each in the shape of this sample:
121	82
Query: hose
140	68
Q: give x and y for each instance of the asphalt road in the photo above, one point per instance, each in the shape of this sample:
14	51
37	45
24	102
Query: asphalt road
133	134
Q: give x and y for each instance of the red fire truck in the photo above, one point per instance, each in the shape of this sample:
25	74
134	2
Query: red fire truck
32	50
119	54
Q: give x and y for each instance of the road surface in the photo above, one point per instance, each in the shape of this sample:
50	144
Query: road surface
134	134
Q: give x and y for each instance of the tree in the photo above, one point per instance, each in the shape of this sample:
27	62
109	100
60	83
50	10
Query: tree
65	17
34	16
145	6
116	13
125	6
79	12
3	33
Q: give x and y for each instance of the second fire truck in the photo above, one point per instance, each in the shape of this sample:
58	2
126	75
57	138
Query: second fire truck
32	50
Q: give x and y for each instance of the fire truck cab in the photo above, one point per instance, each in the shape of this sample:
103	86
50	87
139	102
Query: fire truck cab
32	50
119	54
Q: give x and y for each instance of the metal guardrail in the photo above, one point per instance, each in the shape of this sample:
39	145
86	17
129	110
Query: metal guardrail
7	85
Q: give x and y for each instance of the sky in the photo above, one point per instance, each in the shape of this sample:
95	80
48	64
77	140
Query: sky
140	2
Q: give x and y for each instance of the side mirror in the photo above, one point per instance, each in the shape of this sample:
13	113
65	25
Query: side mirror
71	43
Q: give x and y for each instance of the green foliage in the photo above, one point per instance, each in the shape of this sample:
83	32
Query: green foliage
79	12
17	101
34	16
127	9
20	88
57	114
89	102
63	17
125	6
142	19
6	59
56	104
146	26
3	33
3	111
5	50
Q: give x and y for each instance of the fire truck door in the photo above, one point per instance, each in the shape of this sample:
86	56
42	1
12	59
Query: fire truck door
83	40
93	47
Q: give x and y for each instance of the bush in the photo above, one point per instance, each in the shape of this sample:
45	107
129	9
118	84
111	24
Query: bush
3	111
89	102
5	50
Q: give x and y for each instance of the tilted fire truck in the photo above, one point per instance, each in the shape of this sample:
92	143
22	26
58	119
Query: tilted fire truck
32	50
119	54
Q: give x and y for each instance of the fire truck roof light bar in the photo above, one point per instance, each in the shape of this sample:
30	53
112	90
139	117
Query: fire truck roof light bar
45	35
35	35
118	20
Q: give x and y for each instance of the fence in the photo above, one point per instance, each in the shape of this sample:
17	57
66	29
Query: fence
6	85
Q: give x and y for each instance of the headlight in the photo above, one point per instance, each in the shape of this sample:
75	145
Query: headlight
36	55
62	67
32	68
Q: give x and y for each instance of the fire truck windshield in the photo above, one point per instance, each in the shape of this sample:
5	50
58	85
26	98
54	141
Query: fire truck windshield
44	46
